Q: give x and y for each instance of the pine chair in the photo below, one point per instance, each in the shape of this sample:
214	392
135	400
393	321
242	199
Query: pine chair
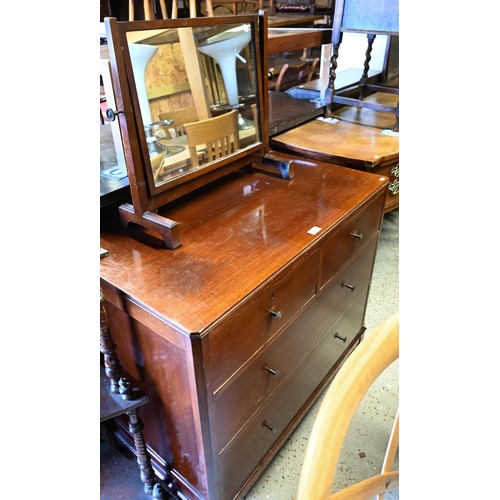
379	349
219	134
180	117
148	8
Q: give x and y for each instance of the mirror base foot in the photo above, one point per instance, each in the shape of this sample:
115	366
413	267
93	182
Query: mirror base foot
168	229
282	165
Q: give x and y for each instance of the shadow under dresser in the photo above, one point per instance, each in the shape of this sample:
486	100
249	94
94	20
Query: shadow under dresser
233	335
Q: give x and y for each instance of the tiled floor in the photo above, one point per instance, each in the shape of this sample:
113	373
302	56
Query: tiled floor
367	438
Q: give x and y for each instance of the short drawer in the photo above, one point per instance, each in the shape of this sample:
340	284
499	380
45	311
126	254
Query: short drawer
237	401
345	287
236	339
249	447
392	172
349	239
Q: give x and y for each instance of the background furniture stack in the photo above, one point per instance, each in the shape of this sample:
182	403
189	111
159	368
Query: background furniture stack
360	131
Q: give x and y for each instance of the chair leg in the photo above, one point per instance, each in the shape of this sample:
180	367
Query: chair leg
148	475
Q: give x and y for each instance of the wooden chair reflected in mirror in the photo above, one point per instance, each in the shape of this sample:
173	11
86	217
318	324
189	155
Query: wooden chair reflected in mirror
179	117
219	134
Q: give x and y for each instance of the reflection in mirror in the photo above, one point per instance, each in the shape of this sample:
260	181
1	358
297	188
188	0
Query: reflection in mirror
194	76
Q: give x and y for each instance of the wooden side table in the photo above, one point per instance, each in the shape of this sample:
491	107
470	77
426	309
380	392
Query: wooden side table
358	138
117	398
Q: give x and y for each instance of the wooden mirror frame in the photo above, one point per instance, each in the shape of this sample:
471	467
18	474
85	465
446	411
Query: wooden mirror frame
147	197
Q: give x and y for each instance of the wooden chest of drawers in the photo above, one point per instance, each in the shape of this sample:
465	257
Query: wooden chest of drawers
359	138
234	334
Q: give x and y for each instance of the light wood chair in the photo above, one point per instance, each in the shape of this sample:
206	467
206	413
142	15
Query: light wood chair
379	349
295	74
148	7
219	134
180	117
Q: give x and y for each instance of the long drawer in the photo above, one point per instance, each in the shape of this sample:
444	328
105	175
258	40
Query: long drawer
236	402
235	340
249	447
349	239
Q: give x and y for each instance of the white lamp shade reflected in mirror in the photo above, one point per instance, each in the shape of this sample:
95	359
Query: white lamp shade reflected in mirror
224	48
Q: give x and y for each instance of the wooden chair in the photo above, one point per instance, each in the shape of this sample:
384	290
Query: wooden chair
148	10
180	117
379	349
119	398
219	134
295	74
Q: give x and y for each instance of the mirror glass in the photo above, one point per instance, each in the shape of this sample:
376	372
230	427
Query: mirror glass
202	76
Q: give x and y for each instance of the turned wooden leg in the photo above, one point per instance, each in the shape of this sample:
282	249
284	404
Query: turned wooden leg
111	363
159	492
148	475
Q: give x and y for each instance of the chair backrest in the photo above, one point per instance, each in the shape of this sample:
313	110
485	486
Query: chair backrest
219	134
374	354
295	74
148	8
180	117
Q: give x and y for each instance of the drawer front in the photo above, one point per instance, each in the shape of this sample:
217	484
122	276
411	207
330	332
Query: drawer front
233	342
345	287
236	402
349	239
392	172
249	447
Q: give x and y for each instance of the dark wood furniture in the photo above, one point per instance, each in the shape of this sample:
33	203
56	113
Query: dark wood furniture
117	398
357	138
288	19
286	111
233	334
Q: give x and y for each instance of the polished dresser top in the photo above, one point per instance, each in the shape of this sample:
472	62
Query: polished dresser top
236	235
